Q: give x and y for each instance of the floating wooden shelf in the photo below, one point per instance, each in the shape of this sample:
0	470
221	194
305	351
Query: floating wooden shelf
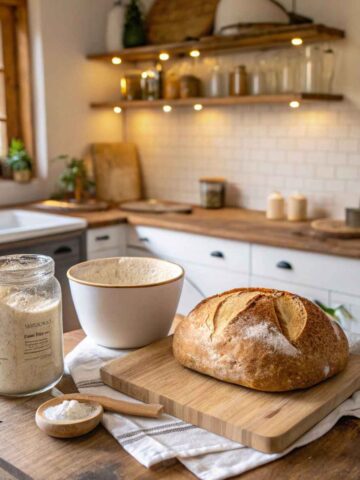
222	101
275	37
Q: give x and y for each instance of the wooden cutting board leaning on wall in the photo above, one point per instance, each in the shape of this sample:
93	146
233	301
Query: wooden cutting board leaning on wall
171	21
116	171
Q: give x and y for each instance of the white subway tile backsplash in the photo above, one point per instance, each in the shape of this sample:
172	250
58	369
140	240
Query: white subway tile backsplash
315	149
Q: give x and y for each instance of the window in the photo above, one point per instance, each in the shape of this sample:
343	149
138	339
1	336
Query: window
15	85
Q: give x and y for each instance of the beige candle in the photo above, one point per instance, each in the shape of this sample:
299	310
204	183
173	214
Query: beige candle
297	208
275	206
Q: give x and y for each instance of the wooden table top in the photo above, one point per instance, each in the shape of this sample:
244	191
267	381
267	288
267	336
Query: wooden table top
97	456
232	223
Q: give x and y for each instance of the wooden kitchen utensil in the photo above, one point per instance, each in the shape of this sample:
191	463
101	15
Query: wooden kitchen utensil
269	422
335	228
68	428
116	171
171	21
75	428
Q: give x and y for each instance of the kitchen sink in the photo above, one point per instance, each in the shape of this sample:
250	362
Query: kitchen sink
17	224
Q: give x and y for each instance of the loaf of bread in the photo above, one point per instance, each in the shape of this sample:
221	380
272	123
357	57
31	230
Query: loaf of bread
268	340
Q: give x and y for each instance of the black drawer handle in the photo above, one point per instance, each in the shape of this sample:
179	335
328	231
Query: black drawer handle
217	254
284	265
62	249
102	238
144	239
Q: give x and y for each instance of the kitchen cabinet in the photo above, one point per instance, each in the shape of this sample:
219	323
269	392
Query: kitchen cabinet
305	268
352	304
213	265
106	242
312	293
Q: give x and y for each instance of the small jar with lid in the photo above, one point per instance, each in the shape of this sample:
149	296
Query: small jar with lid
212	192
31	340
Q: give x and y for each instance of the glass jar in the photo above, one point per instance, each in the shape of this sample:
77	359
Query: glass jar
31	340
190	86
311	70
130	86
212	192
150	84
238	81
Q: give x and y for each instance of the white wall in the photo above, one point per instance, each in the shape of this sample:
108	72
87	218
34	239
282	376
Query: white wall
261	148
62	33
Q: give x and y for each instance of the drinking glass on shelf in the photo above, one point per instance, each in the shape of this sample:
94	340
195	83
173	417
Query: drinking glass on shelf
328	70
257	79
311	70
289	73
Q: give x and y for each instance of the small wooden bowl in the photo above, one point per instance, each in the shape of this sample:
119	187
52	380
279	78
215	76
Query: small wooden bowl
68	428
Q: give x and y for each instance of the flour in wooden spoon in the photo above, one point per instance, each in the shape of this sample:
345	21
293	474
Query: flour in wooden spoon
69	410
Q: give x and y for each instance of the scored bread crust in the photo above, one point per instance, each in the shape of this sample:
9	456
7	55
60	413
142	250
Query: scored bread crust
264	339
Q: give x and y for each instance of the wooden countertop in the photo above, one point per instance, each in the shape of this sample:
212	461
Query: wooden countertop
235	224
98	456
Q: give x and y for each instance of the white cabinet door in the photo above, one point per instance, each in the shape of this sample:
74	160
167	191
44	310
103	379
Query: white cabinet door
352	304
304	291
188	247
327	272
106	241
201	282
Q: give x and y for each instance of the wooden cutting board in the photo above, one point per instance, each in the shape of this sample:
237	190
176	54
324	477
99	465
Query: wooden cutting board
156	206
170	21
269	422
335	228
116	170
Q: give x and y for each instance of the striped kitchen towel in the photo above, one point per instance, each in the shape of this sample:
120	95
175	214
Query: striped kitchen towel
151	441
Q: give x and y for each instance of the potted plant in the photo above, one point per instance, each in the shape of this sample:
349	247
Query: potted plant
134	28
19	161
74	181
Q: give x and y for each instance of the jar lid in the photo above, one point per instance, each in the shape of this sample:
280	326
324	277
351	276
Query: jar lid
25	268
212	180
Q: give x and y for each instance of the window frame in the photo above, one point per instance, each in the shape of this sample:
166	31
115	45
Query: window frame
17	67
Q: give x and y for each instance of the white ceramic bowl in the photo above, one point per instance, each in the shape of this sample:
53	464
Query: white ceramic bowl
126	302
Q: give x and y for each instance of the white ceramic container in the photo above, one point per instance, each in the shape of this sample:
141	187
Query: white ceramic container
136	307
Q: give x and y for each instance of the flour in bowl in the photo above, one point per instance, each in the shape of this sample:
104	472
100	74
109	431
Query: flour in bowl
126	271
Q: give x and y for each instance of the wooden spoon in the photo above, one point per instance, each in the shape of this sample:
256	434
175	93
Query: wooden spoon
75	428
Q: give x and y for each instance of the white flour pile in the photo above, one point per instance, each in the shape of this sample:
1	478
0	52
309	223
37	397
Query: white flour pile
269	335
69	410
126	271
31	356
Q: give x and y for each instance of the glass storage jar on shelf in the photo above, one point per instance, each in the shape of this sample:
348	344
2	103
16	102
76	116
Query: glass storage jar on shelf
238	81
151	84
31	340
130	86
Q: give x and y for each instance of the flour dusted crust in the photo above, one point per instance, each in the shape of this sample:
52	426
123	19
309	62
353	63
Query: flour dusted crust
263	339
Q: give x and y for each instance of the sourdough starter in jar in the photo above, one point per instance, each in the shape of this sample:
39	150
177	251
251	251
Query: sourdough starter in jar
31	343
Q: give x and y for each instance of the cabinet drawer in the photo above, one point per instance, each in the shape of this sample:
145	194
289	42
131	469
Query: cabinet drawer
107	253
308	292
104	238
210	280
309	269
211	251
